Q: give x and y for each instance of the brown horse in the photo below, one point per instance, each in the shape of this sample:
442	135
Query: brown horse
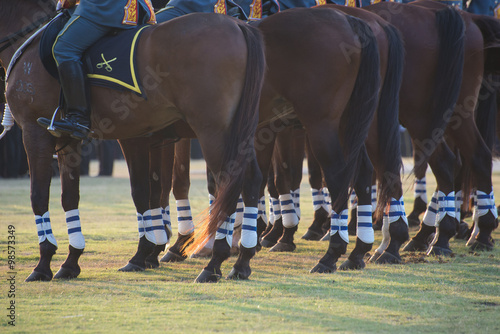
333	94
427	132
217	96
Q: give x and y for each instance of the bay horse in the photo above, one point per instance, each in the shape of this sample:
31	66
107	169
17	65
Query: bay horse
217	96
333	94
456	118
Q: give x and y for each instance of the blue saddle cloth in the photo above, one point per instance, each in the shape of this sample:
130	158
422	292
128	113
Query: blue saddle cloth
111	62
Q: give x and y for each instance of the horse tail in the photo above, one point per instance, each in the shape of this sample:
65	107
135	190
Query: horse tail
389	148
239	149
449	70
362	104
490	29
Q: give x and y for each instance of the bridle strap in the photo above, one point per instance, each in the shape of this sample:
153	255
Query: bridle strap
14	37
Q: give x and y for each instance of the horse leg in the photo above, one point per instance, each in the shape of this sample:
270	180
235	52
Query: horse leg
283	165
180	186
420	202
69	169
39	148
321	222
137	158
160	172
364	228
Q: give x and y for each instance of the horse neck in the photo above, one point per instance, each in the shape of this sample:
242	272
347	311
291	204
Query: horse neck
19	14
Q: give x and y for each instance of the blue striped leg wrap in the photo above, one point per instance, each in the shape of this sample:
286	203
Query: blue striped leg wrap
44	229
75	235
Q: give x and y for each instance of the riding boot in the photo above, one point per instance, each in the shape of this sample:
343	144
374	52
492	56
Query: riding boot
76	122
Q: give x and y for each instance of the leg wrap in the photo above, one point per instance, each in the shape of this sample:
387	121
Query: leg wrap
75	235
44	229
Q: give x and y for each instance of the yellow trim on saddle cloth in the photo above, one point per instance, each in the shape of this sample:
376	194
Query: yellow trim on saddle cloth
255	10
220	7
320	2
135	87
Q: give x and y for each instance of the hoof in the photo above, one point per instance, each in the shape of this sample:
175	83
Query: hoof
480	246
388	258
283	247
312	236
267	243
237	275
415	246
351	265
172	257
374	257
67	273
152	263
463	231
439	251
38	276
326	237
323	269
131	267
208	277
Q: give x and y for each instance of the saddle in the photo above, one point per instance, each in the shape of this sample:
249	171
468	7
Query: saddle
111	62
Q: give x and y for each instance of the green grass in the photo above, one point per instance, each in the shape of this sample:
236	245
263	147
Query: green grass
442	295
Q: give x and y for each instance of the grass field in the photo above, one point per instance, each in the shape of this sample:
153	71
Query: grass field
460	294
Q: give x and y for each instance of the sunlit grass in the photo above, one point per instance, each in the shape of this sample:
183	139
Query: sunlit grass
443	295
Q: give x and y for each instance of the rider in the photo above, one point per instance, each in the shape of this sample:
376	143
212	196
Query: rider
91	20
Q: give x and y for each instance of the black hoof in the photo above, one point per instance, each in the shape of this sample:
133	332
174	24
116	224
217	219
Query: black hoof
237	275
374	257
208	277
480	246
415	246
283	247
67	273
323	269
463	231
152	263
38	276
439	251
131	267
312	236
388	258
267	243
352	265
172	257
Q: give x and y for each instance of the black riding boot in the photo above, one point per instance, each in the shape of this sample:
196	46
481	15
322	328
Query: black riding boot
76	122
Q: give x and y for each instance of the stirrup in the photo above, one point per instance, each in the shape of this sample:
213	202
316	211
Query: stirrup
51	128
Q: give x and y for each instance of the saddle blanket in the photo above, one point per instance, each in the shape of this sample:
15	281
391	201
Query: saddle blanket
111	62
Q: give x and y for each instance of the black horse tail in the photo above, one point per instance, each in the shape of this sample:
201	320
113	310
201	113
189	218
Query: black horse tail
239	150
362	104
389	147
449	71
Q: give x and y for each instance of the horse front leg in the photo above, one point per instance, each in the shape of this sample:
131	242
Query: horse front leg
39	147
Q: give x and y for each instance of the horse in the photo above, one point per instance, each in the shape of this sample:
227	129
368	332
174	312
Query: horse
217	96
456	118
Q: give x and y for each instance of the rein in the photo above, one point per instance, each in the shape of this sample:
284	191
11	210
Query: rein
14	37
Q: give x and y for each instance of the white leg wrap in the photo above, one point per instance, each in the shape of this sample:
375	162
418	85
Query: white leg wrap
158	227
148	227
431	212
339	224
44	229
374	197
140	225
296	201
225	231
318	199
364	224
397	210
290	218
483	204
386	237
353	200
75	235
262	209
249	228
184	218
328	200
421	189
238	220
446	206
276	210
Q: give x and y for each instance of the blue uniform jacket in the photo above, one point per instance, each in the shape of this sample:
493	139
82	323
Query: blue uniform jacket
116	13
